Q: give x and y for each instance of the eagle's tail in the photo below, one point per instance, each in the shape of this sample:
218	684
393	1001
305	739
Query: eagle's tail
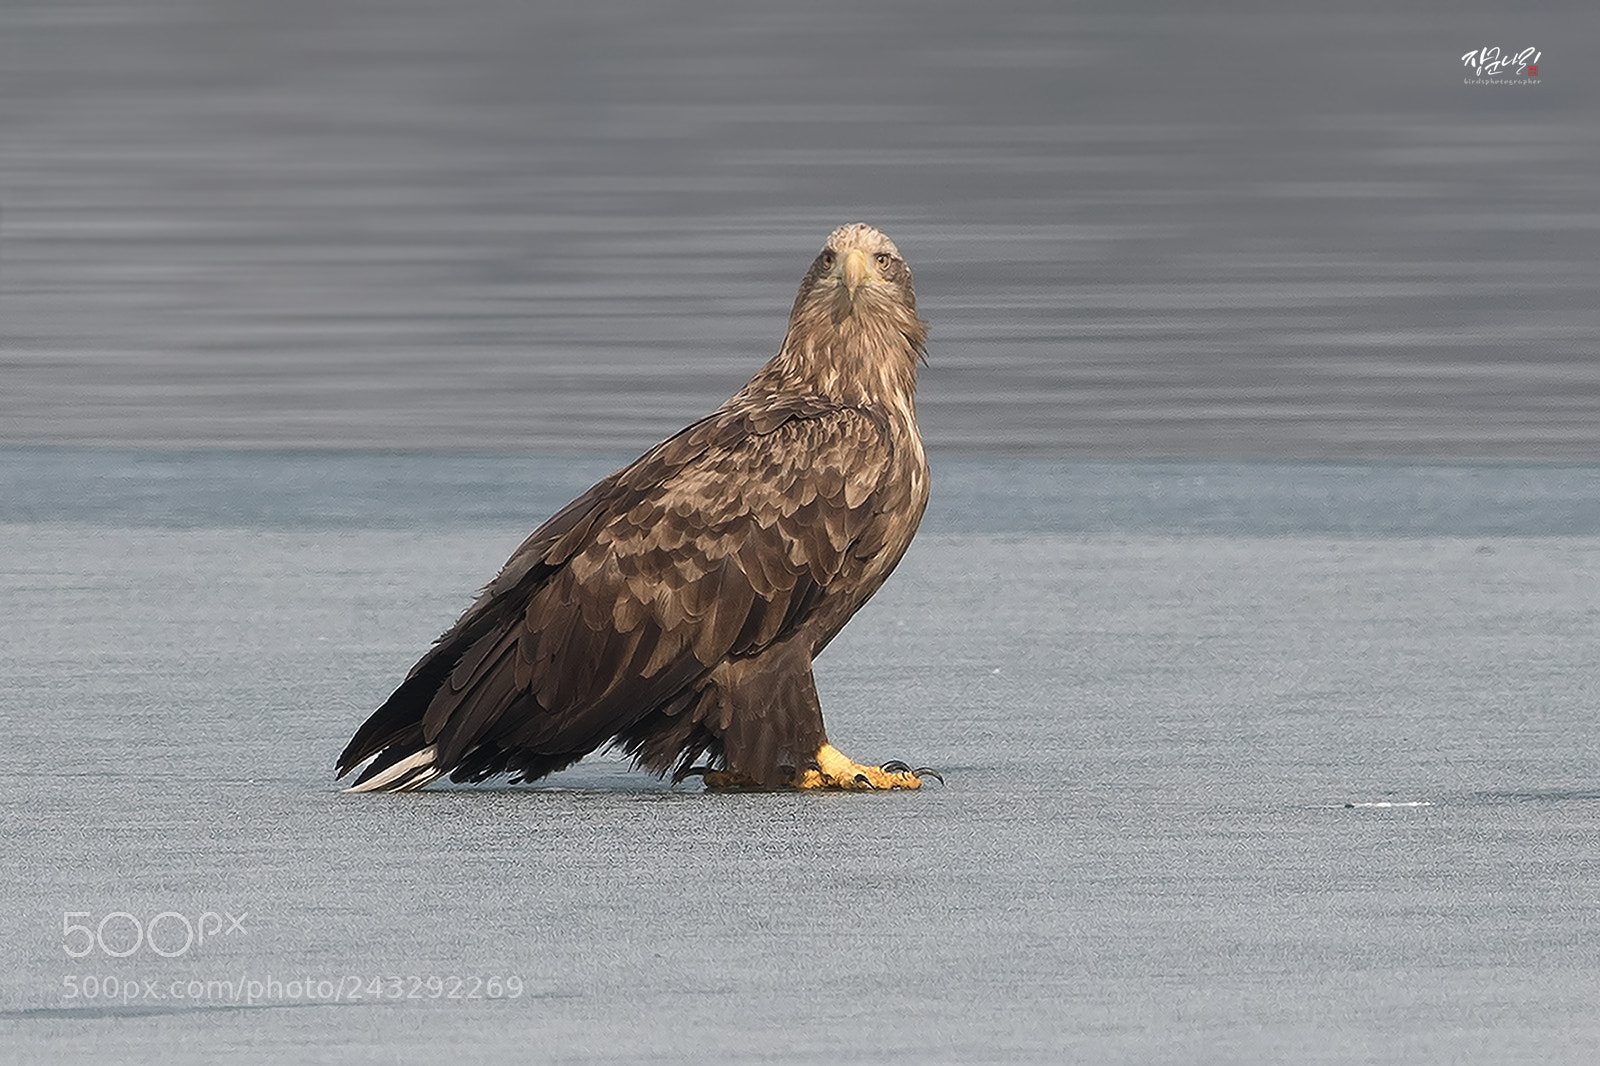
400	774
402	758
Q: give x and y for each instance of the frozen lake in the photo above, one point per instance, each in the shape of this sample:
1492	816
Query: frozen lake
1245	763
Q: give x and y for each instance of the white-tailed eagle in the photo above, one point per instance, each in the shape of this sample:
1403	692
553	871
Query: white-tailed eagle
675	608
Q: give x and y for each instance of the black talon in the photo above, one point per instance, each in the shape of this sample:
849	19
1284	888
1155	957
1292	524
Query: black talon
863	779
895	766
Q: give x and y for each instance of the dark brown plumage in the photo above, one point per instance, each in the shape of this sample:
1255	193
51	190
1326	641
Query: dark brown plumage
675	608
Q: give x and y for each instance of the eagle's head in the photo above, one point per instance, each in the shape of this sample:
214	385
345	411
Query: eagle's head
854	333
858	271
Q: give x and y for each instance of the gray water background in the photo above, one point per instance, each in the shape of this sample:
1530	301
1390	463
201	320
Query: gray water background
308	313
1137	232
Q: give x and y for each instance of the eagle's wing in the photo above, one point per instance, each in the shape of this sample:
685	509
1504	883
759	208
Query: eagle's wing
721	541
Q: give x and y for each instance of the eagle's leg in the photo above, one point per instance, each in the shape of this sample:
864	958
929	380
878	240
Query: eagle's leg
835	769
769	718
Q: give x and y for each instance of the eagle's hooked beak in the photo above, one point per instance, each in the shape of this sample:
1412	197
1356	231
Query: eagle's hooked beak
854	269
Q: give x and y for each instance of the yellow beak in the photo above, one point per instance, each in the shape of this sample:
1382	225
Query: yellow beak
855	269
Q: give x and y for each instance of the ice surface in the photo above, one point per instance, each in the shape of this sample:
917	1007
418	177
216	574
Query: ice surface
1314	794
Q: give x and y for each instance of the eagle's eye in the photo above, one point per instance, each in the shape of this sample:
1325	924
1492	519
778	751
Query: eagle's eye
827	260
884	259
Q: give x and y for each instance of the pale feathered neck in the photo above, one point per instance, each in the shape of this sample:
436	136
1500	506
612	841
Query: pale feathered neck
867	357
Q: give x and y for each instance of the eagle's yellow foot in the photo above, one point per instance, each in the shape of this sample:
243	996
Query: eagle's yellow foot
832	769
835	769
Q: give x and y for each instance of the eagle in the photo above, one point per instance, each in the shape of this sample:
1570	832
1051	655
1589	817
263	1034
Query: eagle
674	610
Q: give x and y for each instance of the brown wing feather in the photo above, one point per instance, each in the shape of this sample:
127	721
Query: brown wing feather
718	542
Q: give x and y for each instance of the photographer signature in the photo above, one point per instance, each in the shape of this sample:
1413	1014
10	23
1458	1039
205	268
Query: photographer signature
1492	61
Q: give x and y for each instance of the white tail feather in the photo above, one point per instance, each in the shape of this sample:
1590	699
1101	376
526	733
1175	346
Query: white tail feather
408	774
